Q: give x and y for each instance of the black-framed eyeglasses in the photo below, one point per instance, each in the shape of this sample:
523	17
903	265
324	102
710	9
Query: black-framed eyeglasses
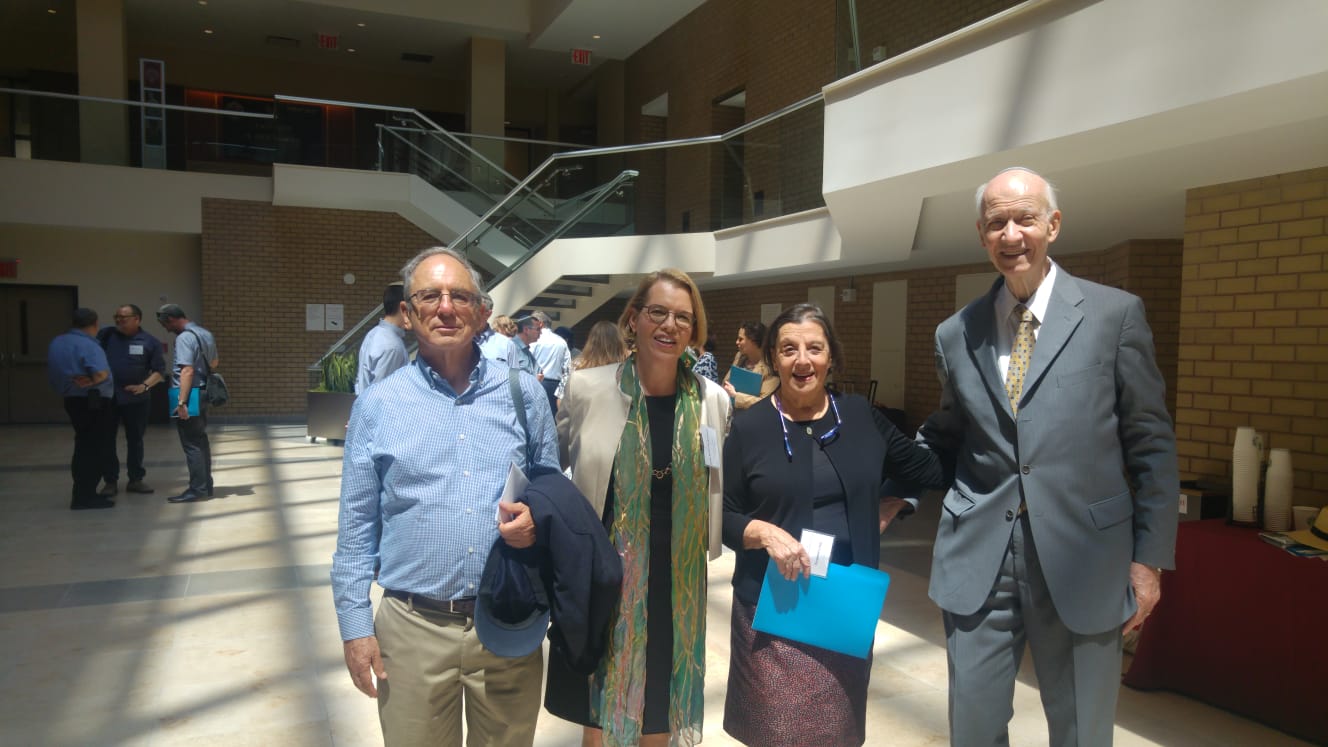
823	439
428	299
659	315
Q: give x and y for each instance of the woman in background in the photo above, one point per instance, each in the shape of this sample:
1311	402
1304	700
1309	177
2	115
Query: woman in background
604	345
632	434
751	338
805	459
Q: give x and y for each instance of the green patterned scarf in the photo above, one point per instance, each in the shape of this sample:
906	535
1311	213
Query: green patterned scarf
617	688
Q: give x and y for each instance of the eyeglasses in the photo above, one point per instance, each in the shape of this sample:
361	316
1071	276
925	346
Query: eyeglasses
823	439
659	315
428	299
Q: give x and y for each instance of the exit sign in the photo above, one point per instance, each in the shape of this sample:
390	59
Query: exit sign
580	56
9	269
328	41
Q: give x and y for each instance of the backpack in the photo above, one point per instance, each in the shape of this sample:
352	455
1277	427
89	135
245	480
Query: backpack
214	386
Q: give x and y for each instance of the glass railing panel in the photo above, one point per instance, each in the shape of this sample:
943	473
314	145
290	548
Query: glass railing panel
56	126
768	171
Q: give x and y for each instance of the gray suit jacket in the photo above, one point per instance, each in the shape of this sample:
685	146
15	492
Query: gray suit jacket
590	423
1093	454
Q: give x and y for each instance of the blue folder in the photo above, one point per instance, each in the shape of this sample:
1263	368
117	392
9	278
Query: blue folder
173	397
838	612
747	382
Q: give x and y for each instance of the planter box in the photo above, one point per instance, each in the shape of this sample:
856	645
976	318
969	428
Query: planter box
328	413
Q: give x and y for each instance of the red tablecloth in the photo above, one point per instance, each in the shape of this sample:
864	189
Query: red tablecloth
1241	625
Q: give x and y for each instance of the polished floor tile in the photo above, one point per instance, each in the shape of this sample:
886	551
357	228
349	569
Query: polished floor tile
212	623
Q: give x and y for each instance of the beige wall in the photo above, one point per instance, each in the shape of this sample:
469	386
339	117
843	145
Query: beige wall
110	267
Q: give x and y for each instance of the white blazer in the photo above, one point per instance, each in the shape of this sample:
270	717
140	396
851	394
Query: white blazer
590	421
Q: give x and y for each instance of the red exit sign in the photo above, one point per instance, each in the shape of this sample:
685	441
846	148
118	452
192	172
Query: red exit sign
9	269
328	41
580	56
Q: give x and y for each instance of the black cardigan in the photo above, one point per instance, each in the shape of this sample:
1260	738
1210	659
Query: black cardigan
761	483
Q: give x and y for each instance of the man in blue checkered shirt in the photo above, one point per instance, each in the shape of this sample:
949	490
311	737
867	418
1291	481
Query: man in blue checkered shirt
427	455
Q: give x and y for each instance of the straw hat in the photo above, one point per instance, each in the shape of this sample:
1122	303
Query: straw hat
1316	536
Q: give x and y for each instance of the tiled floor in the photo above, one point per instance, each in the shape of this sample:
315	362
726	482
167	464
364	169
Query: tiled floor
212	623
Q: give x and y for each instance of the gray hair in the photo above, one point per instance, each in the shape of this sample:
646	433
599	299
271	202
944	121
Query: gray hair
1049	192
408	271
543	318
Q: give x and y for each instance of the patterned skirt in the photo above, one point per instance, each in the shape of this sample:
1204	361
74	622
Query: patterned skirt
786	693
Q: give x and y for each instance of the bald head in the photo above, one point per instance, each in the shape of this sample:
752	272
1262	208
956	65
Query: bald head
1017	222
1025	180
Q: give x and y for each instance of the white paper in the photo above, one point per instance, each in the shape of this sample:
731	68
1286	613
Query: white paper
710	446
313	317
818	546
516	485
335	316
135	349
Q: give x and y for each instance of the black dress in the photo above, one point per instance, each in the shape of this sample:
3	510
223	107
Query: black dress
568	693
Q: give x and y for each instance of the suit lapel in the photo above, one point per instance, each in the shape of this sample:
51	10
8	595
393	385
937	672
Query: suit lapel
1063	318
980	335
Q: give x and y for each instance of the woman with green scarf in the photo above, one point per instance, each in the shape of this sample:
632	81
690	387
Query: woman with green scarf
636	435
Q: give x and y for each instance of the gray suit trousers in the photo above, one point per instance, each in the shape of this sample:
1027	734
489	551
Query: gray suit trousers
1078	675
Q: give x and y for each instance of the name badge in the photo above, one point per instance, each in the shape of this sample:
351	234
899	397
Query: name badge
818	546
710	446
135	349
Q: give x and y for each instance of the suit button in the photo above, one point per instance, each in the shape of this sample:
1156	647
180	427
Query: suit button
1025	469
1009	516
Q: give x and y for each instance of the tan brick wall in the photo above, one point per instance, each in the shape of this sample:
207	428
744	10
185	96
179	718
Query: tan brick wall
262	264
1254	325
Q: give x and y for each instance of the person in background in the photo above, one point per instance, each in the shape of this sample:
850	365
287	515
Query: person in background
751	337
633	434
77	370
384	348
427	455
137	364
604	345
503	325
1062	513
805	459
527	331
705	362
494	344
195	357
552	354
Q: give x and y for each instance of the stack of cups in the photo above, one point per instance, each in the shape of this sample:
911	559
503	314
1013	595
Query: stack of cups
1277	488
1245	457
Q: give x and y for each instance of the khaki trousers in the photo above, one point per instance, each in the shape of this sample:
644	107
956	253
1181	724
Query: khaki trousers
436	665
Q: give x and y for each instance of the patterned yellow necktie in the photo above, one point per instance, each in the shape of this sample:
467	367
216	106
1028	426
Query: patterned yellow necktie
1020	354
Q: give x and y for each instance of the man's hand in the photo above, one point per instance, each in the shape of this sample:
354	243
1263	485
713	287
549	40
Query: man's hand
182	412
1147	583
364	662
890	508
83	382
518	531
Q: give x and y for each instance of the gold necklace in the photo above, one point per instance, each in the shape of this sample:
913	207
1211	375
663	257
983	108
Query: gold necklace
660	474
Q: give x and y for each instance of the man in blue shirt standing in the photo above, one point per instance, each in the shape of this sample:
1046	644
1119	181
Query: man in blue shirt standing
384	348
493	344
427	456
77	370
527	332
552	354
195	358
137	365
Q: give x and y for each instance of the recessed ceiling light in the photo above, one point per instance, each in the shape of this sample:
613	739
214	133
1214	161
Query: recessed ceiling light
52	11
207	31
202	2
361	24
352	49
594	36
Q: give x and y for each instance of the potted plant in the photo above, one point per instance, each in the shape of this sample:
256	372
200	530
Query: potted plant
331	397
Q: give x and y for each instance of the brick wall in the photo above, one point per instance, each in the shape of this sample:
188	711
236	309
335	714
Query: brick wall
262	264
1254	325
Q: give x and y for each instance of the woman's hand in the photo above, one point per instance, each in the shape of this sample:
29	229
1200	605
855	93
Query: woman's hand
729	388
784	551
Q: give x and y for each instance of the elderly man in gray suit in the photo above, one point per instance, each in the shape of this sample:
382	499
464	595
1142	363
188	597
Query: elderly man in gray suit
1063	508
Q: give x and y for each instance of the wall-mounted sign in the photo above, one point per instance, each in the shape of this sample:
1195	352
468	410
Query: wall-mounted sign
327	41
580	56
152	119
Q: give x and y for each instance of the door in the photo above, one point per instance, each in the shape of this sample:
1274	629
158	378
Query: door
889	317
30	317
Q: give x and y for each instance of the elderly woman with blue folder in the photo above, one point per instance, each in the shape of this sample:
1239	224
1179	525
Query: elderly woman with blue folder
805	459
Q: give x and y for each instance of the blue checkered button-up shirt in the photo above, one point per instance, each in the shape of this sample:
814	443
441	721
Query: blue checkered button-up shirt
420	482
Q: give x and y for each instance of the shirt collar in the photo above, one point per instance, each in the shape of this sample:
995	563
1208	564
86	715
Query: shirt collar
1037	303
438	383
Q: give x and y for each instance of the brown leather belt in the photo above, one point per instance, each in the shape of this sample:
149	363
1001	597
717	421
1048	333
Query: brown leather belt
463	607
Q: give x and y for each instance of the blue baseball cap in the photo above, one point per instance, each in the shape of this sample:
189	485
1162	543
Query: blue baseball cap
512	607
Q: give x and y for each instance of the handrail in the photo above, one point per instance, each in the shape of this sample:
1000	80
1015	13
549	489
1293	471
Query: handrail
430	156
503	138
128	102
414	112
